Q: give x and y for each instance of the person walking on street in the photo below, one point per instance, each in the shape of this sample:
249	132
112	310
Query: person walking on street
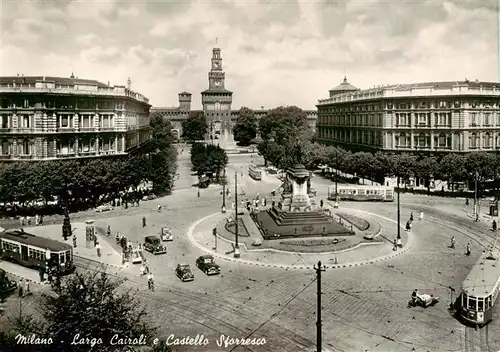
395	248
494	225
150	282
21	288
143	269
108	232
41	272
159	208
144	221
74	240
98	249
26	288
467	252
411	217
452	242
421	217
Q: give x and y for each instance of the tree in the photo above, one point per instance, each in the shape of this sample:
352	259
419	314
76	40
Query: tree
88	306
195	127
426	169
404	166
285	124
452	168
245	128
208	159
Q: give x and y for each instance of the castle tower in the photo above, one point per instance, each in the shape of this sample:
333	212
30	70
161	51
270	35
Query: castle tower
216	101
185	101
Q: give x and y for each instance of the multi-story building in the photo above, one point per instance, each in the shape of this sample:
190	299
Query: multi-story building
45	118
216	102
460	116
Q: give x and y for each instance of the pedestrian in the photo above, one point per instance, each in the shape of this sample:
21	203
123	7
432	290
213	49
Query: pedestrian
143	221
95	240
452	242
36	219
408	225
477	216
41	272
117	237
411	217
494	225
150	281
321	203
143	269
395	248
21	288
198	193
467	252
108	232
41	220
22	221
98	249
466	201
421	217
159	208
74	240
26	288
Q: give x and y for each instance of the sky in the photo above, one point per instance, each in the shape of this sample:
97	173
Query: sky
275	53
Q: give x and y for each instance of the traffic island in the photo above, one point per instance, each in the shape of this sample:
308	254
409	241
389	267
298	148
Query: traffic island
364	252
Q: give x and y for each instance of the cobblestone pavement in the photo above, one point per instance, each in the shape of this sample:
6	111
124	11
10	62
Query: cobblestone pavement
364	308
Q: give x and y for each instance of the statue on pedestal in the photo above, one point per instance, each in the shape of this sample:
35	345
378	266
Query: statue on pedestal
297	180
66	227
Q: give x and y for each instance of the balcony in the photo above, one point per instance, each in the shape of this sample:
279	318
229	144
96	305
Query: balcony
66	155
87	129
22	130
5	157
107	129
4	130
66	130
25	156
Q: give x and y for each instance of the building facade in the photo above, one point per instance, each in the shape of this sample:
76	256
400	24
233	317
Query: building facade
44	118
216	106
457	116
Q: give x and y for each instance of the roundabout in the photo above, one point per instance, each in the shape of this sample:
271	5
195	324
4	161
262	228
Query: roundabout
361	253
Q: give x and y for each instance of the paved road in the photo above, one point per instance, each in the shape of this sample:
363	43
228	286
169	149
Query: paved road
364	309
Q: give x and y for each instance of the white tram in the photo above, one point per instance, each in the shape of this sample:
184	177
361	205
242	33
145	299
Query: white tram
255	172
480	291
362	193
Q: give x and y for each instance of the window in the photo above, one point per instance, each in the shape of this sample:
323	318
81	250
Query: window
472	304
403	119
63	121
5	121
26	147
402	106
5	147
61	258
86	121
25	121
36	254
403	140
107	121
442	140
473	121
8	246
442	104
480	304
487	140
26	103
422	118
486	119
473	140
421	140
457	104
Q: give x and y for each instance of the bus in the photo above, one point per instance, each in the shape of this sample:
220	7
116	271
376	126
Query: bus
361	193
255	172
35	252
480	291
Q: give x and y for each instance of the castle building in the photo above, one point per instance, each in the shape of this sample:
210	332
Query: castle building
459	116
216	106
47	118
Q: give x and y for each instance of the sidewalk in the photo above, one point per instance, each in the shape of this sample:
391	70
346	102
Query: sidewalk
201	236
108	256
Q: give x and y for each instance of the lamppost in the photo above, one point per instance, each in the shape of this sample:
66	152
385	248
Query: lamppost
476	206
224	180
236	245
319	269
398	238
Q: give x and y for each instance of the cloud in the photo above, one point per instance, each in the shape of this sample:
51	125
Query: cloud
274	52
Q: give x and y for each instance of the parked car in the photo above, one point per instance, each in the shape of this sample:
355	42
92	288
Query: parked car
7	286
103	208
149	197
369	236
257	242
206	263
166	234
136	256
153	244
183	272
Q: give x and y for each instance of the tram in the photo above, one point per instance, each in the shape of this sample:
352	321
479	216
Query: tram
362	193
35	252
480	290
255	172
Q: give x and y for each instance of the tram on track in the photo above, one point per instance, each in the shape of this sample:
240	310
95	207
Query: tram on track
361	193
35	252
480	291
255	172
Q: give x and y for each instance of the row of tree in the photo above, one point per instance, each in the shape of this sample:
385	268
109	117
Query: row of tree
82	183
208	159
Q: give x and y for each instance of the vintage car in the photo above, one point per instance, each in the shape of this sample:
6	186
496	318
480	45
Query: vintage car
369	236
153	244
183	272
166	234
257	242
206	263
136	256
103	208
423	300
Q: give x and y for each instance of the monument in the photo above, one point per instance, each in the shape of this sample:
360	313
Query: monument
297	214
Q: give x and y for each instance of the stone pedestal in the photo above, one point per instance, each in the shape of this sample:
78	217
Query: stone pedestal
89	233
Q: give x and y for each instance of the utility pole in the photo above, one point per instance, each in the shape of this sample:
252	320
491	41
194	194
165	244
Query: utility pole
476	212
236	245
399	214
224	180
319	269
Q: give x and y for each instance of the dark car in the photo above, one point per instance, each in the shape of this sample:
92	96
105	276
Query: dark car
183	272
7	285
153	244
206	263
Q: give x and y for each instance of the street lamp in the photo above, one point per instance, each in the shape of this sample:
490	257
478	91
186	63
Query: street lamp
224	192
236	245
398	238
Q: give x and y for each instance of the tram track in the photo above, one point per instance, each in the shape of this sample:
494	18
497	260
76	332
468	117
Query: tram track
187	305
476	340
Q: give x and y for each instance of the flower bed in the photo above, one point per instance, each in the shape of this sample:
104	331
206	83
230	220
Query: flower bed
242	230
356	221
312	242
